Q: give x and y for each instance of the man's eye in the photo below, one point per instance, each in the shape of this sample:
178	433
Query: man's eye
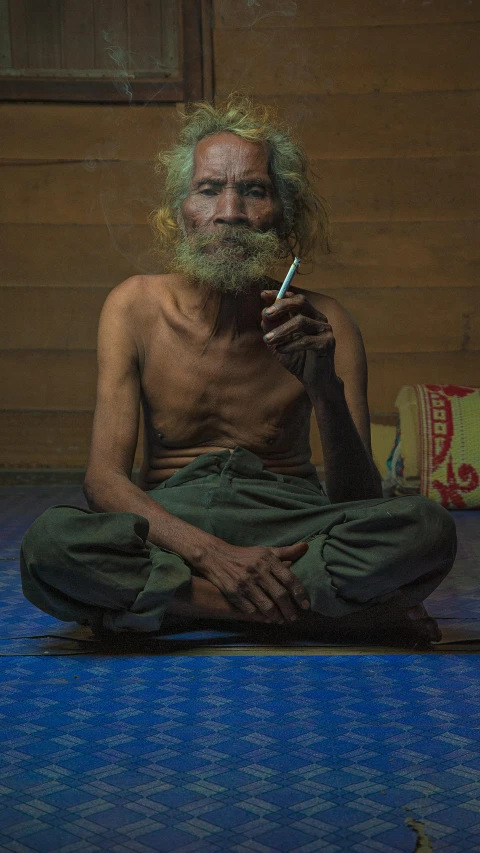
207	191
256	192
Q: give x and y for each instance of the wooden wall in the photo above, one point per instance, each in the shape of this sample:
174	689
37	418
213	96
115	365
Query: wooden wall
385	97
77	190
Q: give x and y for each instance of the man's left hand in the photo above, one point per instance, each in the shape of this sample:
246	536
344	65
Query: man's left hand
302	338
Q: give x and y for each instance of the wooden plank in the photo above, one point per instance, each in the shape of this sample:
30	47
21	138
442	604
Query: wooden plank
110	31
347	60
365	255
138	91
78	24
342	13
79	193
69	255
50	318
472	328
426	124
338	127
48	380
5	44
170	33
86	132
192	49
392	320
144	31
207	50
44	439
49	439
399	254
396	321
357	191
18	33
44	34
407	189
389	371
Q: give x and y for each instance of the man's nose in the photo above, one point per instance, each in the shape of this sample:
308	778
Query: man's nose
230	208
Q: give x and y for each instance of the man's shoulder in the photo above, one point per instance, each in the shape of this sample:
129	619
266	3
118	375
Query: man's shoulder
141	296
141	287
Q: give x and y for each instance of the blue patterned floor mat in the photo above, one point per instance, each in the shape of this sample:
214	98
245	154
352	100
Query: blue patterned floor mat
252	755
246	752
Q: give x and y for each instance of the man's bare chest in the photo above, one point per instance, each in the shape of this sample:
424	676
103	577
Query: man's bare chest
196	390
232	381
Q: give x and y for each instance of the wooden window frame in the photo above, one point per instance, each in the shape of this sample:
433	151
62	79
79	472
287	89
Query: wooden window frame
195	63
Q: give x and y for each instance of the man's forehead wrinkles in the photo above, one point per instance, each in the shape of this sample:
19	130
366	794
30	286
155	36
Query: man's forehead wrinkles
232	157
239	167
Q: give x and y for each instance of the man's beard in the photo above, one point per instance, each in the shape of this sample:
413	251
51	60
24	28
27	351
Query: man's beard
232	266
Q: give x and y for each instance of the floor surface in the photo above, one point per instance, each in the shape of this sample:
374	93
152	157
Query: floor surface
210	741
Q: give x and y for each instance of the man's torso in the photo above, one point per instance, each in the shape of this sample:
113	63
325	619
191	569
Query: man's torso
203	393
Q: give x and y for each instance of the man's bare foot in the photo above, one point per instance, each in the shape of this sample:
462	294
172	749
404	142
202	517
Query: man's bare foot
383	623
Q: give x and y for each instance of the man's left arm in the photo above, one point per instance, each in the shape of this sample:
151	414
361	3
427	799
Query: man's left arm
328	357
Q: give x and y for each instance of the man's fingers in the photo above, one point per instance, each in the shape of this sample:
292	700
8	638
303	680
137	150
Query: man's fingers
291	302
280	596
323	349
253	601
293	584
271	589
291	552
269	609
297	327
269	598
240	603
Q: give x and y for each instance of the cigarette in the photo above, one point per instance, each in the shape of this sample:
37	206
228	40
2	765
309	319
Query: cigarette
288	278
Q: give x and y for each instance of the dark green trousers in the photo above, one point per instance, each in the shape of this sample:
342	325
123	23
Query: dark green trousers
101	569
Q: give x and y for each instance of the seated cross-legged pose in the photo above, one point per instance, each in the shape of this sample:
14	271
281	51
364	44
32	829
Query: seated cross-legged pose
228	520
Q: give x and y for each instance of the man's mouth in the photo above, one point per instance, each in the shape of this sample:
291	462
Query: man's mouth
225	243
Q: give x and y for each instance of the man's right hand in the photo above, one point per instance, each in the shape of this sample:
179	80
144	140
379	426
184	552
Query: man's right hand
258	580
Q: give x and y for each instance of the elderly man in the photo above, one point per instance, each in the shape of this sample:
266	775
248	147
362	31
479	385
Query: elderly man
229	520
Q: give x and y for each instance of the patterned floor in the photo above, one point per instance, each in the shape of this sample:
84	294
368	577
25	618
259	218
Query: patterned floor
242	751
251	755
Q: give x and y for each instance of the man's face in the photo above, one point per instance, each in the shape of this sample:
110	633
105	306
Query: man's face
231	216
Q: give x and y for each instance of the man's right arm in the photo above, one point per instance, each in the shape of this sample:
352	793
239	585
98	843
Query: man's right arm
107	485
